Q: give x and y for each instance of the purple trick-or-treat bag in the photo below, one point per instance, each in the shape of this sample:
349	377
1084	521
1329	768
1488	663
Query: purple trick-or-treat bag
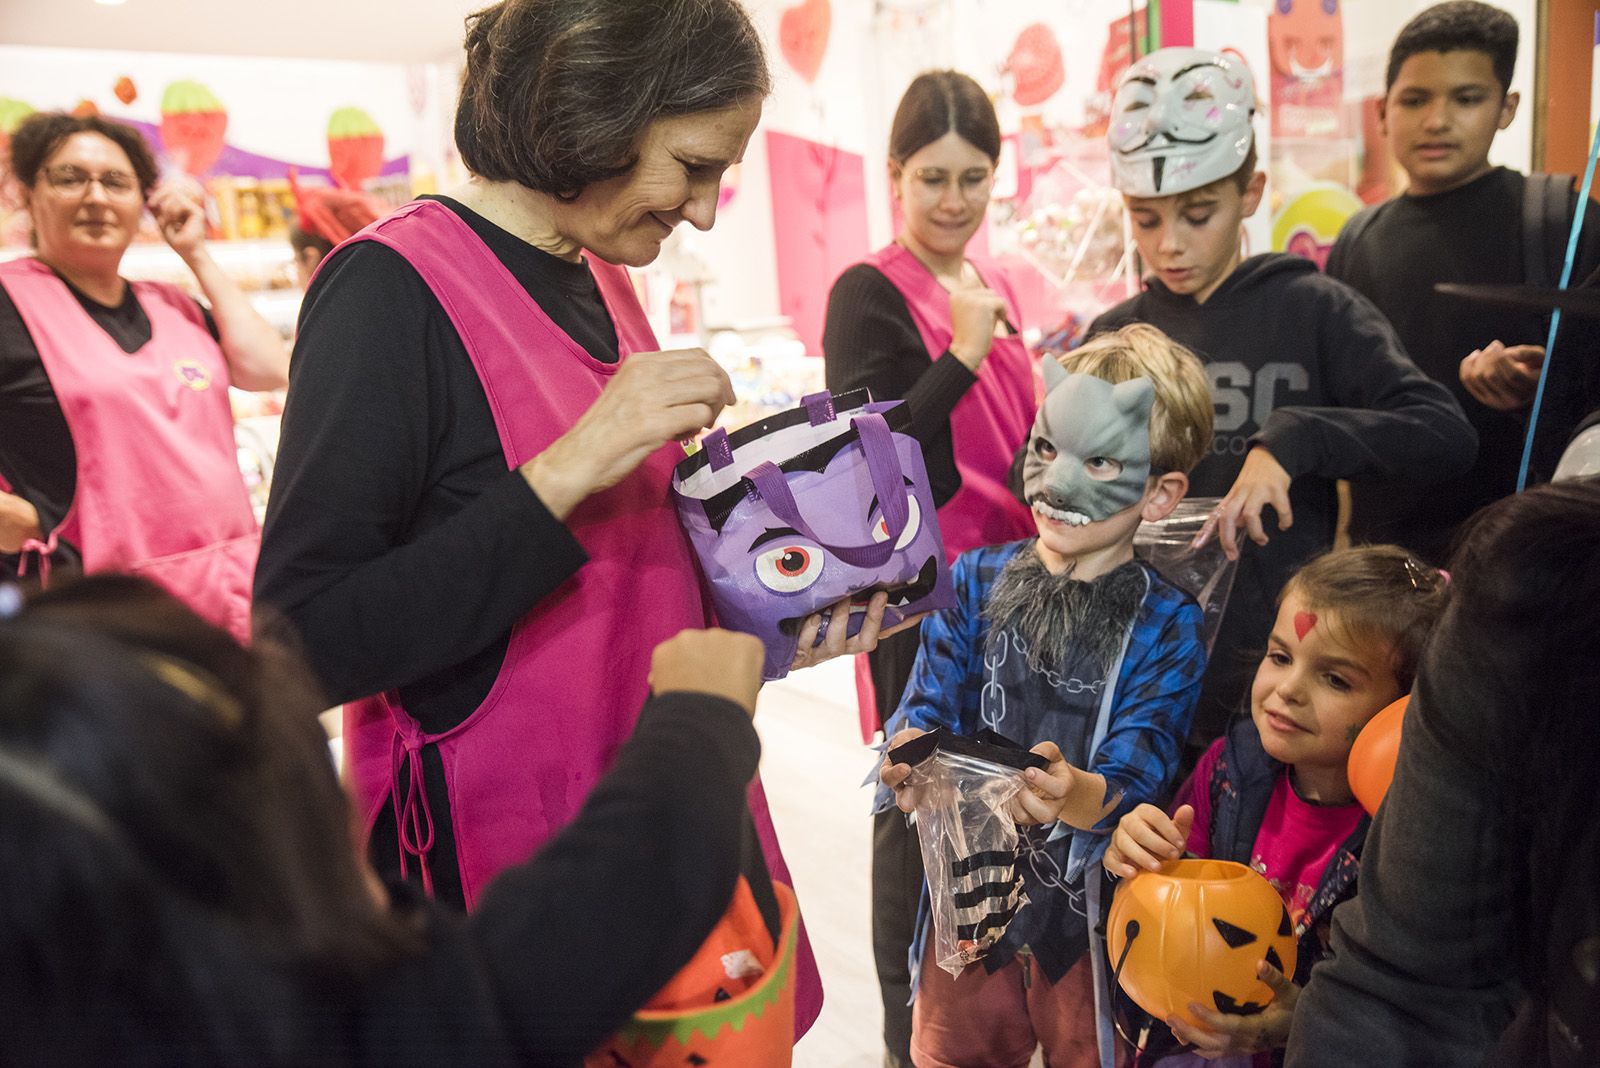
807	507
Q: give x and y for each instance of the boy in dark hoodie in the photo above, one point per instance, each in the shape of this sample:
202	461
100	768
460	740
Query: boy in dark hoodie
1310	383
1464	220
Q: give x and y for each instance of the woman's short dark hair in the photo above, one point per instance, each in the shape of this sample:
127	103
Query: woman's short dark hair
937	102
558	93
1459	26
175	834
40	134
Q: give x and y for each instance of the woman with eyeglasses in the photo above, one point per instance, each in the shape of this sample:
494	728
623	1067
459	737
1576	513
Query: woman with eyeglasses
116	435
920	320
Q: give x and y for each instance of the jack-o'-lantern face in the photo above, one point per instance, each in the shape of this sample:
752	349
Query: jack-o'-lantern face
1196	931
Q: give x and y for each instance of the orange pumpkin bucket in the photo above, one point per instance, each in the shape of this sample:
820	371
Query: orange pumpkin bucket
1195	931
754	1027
1372	757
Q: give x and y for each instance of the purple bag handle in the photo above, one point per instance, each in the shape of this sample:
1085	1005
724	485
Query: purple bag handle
888	480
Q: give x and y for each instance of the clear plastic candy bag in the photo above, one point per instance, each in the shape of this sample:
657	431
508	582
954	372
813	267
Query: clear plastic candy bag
1206	574
969	841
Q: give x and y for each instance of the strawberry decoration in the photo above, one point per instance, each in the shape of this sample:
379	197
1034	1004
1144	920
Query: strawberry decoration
125	90
192	125
85	109
355	147
12	112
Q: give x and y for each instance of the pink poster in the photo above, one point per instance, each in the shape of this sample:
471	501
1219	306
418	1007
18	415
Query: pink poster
819	219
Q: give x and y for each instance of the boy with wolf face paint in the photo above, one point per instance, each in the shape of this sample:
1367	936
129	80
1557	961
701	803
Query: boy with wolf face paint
1067	638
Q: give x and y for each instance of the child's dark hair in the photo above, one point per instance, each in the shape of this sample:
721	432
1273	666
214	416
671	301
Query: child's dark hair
175	834
1520	632
1376	593
1455	26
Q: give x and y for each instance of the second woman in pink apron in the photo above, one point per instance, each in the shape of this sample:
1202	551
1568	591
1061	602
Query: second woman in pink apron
116	435
922	321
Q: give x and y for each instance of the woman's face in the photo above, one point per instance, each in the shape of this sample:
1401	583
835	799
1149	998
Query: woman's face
86	201
678	176
943	191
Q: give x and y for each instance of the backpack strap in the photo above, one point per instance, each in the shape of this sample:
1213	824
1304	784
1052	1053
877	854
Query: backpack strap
1548	201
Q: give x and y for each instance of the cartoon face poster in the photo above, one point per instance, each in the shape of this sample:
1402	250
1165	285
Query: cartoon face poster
1306	39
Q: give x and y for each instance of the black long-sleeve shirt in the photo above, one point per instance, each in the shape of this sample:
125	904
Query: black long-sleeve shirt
1308	368
869	340
1470	234
560	951
398	548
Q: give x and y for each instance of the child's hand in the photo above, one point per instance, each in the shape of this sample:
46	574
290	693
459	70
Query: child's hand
1147	838
1503	377
1045	794
1226	1034
894	775
718	662
1262	481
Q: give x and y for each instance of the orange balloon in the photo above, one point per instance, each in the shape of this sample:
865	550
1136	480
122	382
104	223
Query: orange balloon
1372	757
1196	931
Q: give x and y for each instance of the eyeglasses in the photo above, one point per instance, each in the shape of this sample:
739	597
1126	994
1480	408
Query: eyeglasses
69	181
974	183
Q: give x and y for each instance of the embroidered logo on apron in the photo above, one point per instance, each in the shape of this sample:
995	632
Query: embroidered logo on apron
192	374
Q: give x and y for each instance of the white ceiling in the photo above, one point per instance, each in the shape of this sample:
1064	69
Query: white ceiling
385	31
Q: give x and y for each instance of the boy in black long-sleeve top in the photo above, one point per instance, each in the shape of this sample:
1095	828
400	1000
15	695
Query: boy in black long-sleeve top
1309	380
1463	220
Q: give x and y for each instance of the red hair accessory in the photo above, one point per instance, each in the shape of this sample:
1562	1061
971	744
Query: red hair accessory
333	214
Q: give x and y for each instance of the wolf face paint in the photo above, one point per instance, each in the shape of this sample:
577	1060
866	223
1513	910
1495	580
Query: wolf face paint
1089	452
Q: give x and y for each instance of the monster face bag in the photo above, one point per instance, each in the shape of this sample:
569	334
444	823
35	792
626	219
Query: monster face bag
798	511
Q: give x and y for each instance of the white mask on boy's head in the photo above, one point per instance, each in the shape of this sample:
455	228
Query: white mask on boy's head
1180	120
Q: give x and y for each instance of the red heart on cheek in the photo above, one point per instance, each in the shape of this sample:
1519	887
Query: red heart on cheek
803	36
1303	622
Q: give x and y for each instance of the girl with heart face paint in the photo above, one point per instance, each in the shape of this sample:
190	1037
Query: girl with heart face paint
1274	791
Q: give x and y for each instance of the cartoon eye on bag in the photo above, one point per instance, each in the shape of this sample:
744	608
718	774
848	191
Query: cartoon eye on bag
789	568
880	529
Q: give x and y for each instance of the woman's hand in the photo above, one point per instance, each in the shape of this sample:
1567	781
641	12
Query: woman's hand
1225	1035
654	398
1045	795
722	663
19	523
1148	838
838	641
178	205
1262	481
974	313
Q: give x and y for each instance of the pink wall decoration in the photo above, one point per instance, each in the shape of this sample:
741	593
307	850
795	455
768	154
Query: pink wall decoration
819	220
1035	66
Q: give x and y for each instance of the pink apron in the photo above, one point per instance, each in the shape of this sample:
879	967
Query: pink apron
988	425
575	674
158	490
991	420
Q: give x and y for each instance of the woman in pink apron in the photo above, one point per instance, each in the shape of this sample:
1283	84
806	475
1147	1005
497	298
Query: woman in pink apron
470	532
920	320
116	435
